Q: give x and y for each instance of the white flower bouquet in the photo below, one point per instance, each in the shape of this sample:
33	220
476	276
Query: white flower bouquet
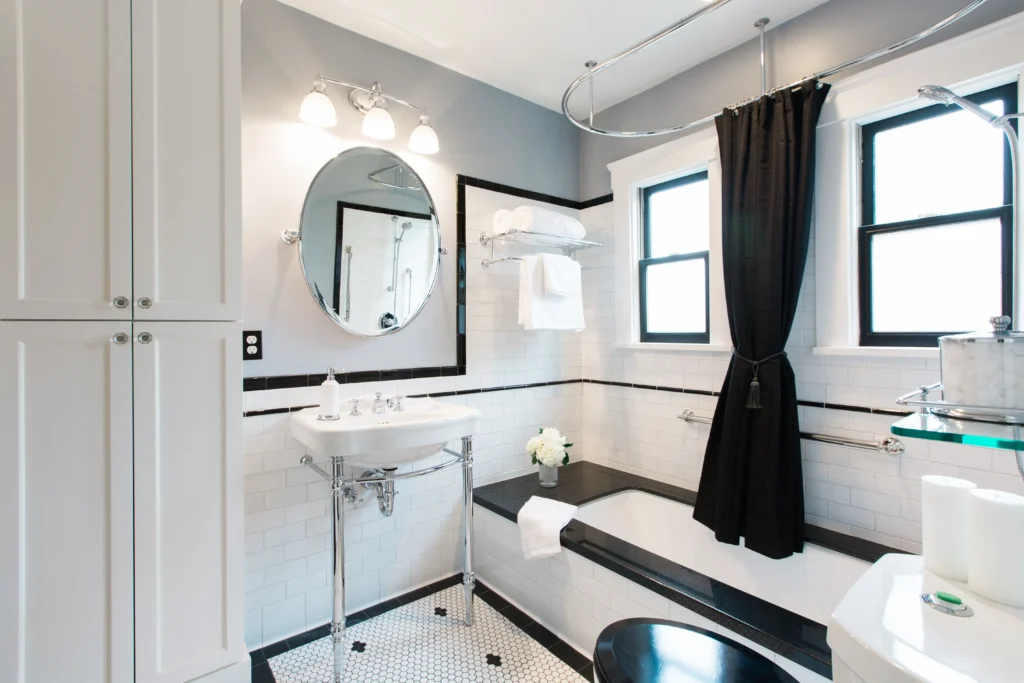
549	448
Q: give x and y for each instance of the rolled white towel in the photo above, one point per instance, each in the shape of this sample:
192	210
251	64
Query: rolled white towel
533	219
501	222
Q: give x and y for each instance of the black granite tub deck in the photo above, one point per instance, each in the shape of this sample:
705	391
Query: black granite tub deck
788	634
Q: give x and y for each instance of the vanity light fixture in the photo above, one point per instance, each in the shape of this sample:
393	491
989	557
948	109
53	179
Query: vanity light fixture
318	110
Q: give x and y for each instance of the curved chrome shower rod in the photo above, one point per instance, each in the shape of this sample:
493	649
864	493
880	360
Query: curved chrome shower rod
863	59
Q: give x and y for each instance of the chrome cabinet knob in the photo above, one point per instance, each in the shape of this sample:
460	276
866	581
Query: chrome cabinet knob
120	302
120	338
144	337
145	302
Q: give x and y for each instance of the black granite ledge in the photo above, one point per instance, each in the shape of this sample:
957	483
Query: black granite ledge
794	637
261	672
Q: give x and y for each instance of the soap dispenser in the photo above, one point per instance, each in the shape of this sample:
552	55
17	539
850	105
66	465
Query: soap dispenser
330	397
379	405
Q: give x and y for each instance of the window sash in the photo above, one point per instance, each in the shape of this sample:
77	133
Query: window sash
1006	93
927	339
645	262
676	337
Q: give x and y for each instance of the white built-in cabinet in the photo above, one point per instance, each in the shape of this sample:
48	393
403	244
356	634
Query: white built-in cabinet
120	358
119	155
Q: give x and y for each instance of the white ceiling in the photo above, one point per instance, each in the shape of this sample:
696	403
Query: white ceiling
536	48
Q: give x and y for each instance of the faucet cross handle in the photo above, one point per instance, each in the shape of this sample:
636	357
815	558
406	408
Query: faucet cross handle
398	403
355	408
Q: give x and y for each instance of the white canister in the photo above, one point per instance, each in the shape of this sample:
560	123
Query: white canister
984	368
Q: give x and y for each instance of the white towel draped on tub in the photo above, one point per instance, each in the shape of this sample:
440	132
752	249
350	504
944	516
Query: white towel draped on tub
533	219
541	311
540	524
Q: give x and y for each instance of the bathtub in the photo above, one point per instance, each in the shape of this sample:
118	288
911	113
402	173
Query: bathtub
810	584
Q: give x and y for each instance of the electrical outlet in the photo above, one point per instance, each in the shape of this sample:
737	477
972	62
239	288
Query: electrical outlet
252	345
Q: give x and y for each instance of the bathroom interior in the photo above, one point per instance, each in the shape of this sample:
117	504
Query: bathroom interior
624	342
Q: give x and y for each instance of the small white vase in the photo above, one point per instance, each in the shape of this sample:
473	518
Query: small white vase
548	476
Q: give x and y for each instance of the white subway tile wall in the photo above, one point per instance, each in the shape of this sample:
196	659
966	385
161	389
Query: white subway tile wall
577	598
868	495
288	545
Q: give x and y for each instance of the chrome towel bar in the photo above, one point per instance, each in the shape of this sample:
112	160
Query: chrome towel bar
889	445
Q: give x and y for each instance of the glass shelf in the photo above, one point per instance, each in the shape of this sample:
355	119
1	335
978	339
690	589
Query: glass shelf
967	432
538	239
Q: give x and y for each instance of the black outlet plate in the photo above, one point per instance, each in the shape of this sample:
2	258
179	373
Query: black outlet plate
252	345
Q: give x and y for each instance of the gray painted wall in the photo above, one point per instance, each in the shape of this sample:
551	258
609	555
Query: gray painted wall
825	36
484	132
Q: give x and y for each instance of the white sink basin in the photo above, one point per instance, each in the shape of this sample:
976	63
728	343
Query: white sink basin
391	438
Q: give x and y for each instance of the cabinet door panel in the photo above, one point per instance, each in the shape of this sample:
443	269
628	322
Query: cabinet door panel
187	197
65	503
188	500
65	159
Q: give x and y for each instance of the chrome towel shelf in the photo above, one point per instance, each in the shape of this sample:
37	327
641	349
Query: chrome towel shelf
888	445
567	245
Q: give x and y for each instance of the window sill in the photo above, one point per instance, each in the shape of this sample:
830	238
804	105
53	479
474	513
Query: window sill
877	351
688	348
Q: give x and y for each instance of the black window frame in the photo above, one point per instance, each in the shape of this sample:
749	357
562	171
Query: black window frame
645	263
868	229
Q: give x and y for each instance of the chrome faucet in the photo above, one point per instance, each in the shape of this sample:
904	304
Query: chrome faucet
395	403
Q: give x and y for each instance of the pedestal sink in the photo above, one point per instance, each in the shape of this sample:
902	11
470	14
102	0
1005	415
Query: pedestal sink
385	440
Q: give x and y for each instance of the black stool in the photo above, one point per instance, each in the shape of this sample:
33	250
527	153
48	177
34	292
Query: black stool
658	651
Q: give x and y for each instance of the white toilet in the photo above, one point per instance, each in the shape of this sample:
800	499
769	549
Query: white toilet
883	632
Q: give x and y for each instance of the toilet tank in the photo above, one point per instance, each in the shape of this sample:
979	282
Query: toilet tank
882	631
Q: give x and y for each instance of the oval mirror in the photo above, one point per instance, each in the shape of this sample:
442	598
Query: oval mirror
369	242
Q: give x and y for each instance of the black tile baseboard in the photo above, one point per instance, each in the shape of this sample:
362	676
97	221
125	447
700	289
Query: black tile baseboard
261	672
795	637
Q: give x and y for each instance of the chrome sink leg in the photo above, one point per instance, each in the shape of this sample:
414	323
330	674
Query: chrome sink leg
468	578
338	522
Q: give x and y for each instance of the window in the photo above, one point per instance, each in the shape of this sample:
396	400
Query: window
674	268
936	244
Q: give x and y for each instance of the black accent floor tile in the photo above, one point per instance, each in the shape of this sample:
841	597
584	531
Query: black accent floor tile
274	649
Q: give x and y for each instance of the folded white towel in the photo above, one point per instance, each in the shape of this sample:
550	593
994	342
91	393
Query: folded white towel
533	219
540	311
540	523
562	276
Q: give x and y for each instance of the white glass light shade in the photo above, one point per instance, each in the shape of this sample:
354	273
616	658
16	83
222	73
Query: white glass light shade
423	139
378	124
318	110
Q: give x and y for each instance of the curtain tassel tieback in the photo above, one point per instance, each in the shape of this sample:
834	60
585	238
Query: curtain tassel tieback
754	397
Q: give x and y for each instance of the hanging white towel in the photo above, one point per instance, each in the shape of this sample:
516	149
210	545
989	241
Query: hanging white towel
540	524
533	219
540	311
562	275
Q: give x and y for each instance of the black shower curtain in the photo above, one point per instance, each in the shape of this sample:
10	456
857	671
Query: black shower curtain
752	485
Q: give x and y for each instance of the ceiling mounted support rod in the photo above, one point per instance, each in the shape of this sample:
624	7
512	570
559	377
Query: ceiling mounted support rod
858	61
759	25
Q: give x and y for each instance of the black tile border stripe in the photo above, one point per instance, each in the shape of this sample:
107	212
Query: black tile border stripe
259	657
250	384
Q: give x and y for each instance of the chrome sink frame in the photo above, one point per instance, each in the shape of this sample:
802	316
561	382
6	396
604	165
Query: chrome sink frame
342	488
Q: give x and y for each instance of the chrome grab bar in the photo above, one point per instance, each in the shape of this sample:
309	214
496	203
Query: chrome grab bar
348	283
889	445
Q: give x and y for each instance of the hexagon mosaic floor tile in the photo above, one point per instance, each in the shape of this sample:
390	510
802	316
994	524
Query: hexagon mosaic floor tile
425	642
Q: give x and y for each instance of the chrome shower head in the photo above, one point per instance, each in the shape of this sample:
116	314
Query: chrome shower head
945	96
406	225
